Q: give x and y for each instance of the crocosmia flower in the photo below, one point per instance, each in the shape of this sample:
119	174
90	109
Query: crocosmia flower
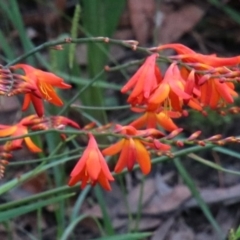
152	118
170	91
19	129
45	83
143	82
131	150
91	168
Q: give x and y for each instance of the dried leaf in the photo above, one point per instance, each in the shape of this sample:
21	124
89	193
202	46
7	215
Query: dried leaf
179	22
141	18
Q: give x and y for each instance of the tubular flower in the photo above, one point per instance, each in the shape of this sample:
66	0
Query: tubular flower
188	55
91	167
44	83
144	81
150	119
213	93
170	91
131	150
18	130
208	91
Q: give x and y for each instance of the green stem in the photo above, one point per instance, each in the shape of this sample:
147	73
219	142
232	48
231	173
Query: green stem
101	108
53	43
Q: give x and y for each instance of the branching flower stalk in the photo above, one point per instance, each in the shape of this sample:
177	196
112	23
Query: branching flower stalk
192	82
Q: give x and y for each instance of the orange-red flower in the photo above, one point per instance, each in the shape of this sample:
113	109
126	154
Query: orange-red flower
170	91
18	130
208	90
44	82
131	150
188	55
91	167
151	118
144	81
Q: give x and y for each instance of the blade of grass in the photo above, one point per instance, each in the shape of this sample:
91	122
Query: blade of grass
212	164
6	48
227	152
106	218
53	140
129	236
231	12
11	9
99	19
6	215
25	201
74	30
26	176
79	202
139	207
69	230
192	187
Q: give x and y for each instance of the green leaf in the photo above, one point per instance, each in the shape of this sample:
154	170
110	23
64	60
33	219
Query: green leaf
106	218
192	187
6	215
100	18
129	236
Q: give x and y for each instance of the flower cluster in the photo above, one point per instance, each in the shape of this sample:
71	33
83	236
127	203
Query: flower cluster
192	81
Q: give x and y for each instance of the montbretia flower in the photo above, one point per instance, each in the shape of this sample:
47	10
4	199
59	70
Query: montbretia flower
152	118
170	91
213	93
188	55
44	82
91	167
131	149
18	130
143	82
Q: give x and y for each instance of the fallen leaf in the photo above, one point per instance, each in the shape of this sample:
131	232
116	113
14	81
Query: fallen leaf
141	18
210	196
164	204
161	232
179	22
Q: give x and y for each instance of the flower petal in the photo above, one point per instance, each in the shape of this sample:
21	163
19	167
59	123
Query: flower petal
31	145
93	165
166	122
142	157
123	158
114	149
9	130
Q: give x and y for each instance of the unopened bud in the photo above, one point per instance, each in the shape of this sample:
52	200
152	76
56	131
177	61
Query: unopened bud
220	142
194	136
185	113
174	133
230	139
180	143
107	68
201	143
214	138
89	126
